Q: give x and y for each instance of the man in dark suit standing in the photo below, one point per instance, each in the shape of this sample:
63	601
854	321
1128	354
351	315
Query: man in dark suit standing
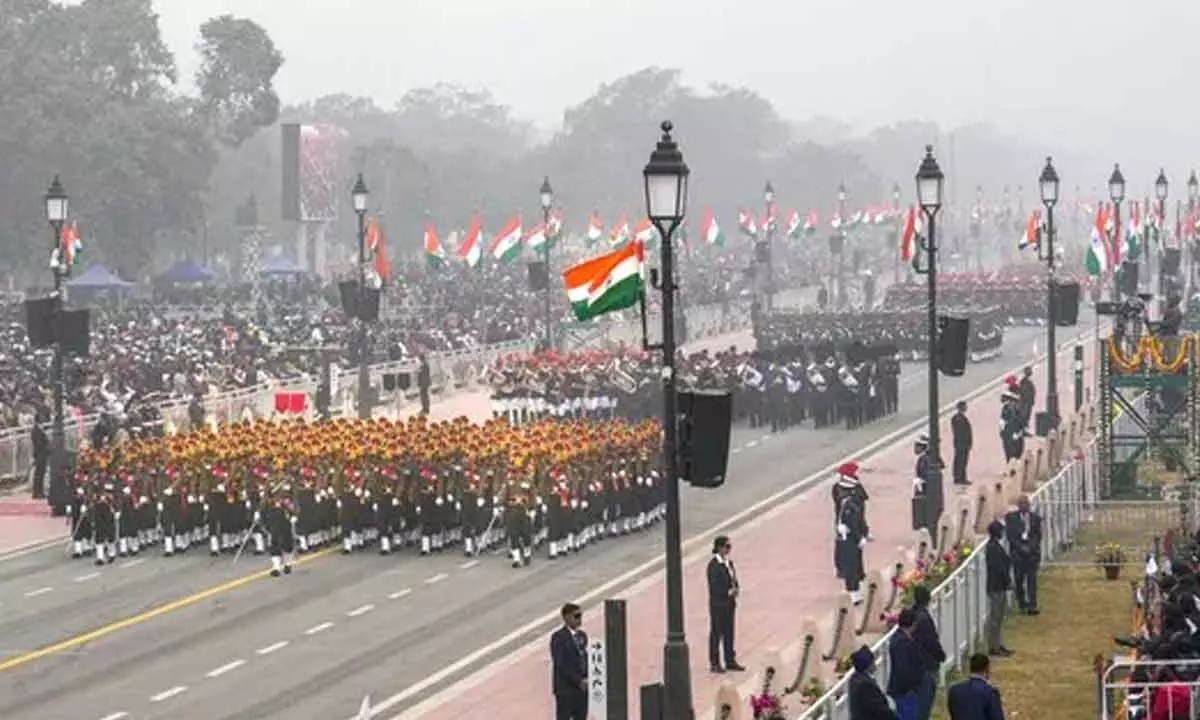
722	607
975	698
960	430
1028	396
1024	530
424	383
41	455
568	657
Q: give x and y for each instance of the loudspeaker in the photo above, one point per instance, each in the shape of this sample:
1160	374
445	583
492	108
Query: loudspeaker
762	252
704	436
836	241
404	381
539	276
1170	261
952	345
348	289
1066	304
39	321
368	310
74	332
1127	281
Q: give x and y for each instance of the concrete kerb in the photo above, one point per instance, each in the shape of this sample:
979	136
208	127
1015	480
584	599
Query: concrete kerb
645	575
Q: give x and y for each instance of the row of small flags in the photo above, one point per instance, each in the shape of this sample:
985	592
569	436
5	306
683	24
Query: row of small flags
514	238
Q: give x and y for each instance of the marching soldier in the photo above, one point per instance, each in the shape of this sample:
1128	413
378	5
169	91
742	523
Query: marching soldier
280	523
518	525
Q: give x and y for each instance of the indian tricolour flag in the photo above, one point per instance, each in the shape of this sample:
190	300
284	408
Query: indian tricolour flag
1029	238
619	235
595	230
747	224
910	234
434	255
711	231
646	233
471	247
507	246
795	226
810	222
1099	253
606	283
72	246
536	240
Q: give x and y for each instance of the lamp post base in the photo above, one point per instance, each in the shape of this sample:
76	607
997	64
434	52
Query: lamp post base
677	679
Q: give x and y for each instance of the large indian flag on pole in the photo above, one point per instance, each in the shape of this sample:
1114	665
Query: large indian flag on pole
1098	260
507	246
470	249
711	231
606	283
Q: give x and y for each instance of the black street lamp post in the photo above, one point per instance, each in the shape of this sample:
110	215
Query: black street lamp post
57	204
1049	185
547	200
1116	193
1160	192
666	179
359	195
930	186
769	245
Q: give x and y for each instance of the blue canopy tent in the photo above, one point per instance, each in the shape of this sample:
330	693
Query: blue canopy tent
280	265
187	271
98	277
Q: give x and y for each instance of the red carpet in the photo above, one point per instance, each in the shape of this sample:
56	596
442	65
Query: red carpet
24	507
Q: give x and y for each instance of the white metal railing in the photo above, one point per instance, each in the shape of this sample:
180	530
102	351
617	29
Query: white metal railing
959	606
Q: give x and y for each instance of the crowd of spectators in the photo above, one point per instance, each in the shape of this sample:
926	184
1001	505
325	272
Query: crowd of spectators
177	341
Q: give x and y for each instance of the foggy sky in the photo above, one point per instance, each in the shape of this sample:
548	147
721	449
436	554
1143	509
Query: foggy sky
1106	77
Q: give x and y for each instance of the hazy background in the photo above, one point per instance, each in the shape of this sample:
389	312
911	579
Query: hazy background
1102	77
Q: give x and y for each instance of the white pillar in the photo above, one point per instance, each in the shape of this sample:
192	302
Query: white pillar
320	248
302	245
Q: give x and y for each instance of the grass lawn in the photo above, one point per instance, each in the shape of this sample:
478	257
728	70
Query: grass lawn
1051	672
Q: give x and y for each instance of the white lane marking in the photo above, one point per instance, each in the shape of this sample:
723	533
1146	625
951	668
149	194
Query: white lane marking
695	547
318	628
39	591
116	716
400	593
226	668
168	694
736	450
752	443
436	578
89	576
469	564
132	563
272	648
360	611
765	438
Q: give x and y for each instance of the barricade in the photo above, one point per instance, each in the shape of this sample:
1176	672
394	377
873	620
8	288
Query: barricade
959	606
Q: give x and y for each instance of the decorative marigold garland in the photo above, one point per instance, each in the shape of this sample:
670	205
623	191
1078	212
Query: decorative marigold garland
1120	362
1169	368
1149	349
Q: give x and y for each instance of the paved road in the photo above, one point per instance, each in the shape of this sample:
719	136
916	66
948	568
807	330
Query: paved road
190	637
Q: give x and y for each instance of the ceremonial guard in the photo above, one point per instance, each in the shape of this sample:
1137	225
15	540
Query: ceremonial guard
922	474
1012	426
280	524
850	512
963	438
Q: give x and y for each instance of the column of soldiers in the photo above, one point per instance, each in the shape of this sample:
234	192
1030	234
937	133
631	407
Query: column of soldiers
281	488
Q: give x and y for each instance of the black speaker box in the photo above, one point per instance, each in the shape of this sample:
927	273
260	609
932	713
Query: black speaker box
539	276
368	310
652	698
404	381
952	345
39	321
1066	304
704	437
74	332
836	241
1170	261
348	289
762	252
1128	279
389	382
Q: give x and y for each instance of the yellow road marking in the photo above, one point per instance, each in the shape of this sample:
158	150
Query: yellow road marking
178	604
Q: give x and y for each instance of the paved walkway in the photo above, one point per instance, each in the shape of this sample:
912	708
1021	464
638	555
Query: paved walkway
784	561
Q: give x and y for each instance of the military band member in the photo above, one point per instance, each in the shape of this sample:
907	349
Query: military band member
280	524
